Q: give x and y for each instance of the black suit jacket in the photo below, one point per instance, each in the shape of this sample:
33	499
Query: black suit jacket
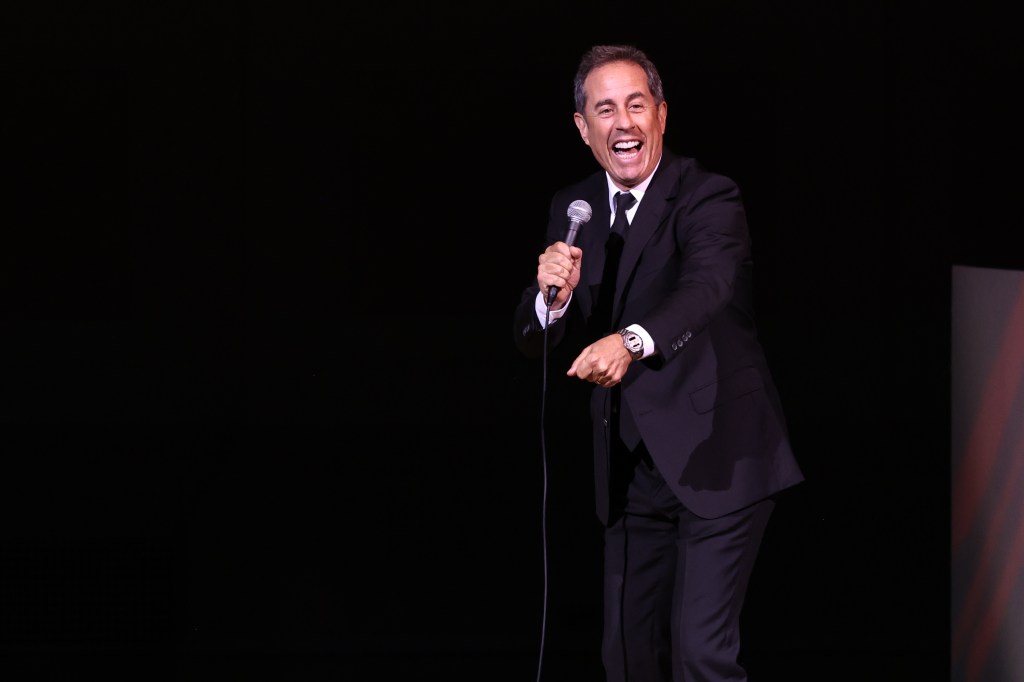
705	405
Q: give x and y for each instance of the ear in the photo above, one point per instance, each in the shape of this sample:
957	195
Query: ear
662	116
581	125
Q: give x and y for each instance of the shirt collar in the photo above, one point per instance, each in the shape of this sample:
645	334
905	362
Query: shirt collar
637	191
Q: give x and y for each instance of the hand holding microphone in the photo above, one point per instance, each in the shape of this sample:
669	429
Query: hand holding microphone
579	212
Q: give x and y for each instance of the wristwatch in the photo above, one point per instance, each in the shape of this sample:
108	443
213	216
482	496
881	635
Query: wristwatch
633	343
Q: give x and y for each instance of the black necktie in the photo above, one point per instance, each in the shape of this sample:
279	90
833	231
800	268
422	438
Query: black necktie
602	318
623	202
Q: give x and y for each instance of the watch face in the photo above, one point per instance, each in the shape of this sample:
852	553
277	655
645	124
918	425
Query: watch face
633	341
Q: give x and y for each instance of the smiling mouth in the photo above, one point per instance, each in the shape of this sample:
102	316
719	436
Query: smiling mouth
624	148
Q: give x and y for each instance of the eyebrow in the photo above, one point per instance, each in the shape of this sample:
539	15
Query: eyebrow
629	98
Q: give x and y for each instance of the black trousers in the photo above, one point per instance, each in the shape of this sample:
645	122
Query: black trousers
674	585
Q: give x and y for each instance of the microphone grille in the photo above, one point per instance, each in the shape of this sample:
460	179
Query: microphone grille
579	211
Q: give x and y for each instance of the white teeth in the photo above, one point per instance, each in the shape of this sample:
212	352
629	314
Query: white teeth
626	146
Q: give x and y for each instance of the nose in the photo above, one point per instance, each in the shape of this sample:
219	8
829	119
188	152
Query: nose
624	119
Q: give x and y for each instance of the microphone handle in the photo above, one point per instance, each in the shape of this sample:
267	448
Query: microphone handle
574	227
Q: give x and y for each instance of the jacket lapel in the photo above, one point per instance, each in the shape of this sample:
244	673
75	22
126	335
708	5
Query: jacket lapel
594	236
649	215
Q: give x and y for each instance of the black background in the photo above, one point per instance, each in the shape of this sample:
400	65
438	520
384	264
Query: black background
263	417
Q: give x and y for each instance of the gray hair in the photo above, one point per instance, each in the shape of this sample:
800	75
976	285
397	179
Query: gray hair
599	55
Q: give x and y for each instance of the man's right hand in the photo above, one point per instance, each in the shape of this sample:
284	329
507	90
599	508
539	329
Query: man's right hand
559	266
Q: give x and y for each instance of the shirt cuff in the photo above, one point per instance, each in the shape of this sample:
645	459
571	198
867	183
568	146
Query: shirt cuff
540	306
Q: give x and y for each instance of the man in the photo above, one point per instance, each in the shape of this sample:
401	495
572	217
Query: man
690	441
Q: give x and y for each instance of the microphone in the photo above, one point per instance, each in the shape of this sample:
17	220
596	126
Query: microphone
579	212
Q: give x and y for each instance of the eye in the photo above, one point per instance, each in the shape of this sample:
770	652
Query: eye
637	108
605	112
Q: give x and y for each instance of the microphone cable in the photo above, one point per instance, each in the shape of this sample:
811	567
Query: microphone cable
544	493
578	213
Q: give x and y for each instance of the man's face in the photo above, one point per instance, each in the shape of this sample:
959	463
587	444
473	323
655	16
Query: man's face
621	125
